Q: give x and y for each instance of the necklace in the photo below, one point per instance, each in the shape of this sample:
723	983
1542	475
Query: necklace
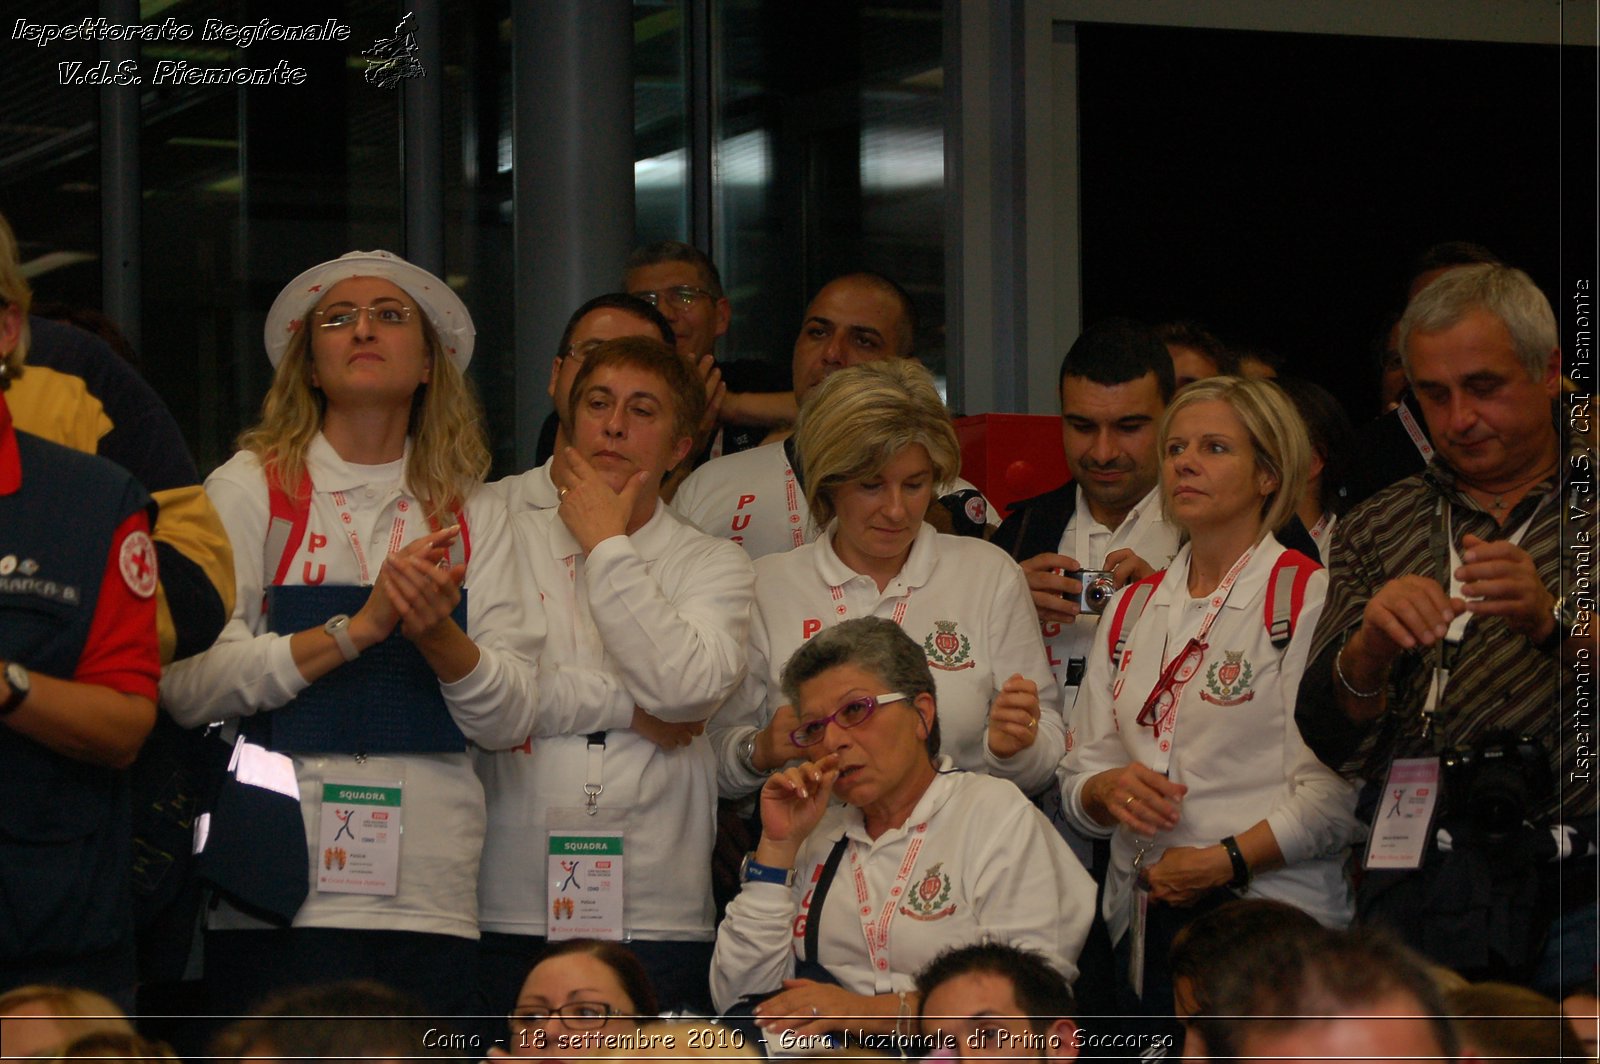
1498	506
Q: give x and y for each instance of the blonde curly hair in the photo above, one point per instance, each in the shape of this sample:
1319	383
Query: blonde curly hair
449	449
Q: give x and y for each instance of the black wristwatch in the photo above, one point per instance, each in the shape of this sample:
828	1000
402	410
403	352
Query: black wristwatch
21	686
1241	869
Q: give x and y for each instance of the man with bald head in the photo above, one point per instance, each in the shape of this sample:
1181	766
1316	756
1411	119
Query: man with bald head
756	498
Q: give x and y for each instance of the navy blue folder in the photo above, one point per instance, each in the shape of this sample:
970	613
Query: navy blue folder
386	701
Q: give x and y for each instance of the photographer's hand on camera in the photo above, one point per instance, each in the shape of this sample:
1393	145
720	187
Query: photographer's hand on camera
1055	595
1127	567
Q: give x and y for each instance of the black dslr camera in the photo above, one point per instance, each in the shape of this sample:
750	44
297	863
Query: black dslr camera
1497	782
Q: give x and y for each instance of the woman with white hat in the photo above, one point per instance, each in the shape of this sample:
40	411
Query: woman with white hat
354	538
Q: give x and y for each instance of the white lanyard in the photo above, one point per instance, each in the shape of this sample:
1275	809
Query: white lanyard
1321	529
588	647
1457	631
791	498
1083	551
1418	438
347	522
876	931
1167	723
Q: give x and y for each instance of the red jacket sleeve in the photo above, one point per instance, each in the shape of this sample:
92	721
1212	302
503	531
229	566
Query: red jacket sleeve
122	651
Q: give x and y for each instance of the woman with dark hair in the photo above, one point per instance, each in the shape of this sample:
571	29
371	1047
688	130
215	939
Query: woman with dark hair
579	992
920	856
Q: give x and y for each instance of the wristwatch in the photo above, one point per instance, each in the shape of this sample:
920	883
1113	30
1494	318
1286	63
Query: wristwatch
751	872
1241	867
339	627
747	755
21	686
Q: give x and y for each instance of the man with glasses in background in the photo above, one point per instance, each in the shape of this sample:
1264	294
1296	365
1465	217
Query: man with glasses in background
748	398
606	317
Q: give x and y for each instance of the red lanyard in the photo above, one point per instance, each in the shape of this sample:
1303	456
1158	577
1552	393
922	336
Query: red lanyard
1160	709
347	523
876	931
791	496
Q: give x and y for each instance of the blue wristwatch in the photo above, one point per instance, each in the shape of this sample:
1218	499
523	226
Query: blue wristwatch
751	872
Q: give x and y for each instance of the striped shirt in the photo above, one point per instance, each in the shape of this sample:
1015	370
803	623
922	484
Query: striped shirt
1500	680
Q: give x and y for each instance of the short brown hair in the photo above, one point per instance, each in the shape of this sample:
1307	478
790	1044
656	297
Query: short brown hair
684	386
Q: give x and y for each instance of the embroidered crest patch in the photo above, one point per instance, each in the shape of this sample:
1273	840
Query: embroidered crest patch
947	648
930	898
1228	681
137	563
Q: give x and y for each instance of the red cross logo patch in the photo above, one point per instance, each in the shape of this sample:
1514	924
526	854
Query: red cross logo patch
137	564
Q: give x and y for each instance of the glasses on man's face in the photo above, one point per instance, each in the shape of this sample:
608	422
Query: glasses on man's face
848	716
582	349
344	315
1177	673
683	295
574	1016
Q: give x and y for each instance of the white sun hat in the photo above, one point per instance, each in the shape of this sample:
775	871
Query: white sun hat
435	298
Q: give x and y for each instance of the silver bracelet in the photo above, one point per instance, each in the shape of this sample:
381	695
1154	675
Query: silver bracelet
1338	670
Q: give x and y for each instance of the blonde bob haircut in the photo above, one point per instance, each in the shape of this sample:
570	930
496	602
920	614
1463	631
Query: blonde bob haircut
449	451
14	290
858	419
1277	435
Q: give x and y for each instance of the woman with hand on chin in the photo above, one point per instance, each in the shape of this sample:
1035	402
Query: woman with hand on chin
873	441
647	624
348	511
938	857
1187	751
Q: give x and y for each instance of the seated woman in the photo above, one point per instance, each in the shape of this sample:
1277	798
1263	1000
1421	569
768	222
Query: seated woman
1235	802
355	487
873	441
920	856
583	994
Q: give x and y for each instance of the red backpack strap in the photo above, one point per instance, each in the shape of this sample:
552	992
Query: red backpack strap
286	528
1134	601
1286	593
461	548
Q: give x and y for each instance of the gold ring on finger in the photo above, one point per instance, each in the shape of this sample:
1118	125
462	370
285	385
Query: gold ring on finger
1128	802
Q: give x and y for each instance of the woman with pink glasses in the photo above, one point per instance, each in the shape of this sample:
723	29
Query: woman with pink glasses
1182	745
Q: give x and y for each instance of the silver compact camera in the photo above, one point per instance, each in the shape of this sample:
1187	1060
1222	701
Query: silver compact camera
1096	591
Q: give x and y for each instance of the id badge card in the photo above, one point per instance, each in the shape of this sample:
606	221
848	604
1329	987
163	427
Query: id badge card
1139	902
1404	818
585	874
359	851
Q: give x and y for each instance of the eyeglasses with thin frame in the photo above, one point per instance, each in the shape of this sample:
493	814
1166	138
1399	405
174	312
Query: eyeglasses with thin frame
848	715
582	349
574	1016
1179	671
344	315
683	295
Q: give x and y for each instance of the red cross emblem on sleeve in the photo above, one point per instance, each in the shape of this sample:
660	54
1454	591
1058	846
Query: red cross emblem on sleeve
137	564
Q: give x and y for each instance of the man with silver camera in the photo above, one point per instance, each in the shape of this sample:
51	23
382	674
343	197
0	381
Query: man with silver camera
1103	528
1439	662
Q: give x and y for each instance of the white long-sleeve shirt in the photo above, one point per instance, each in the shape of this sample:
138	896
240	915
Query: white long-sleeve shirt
251	670
989	866
656	619
1235	744
963	599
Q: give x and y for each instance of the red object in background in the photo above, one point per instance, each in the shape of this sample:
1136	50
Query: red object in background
1011	456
